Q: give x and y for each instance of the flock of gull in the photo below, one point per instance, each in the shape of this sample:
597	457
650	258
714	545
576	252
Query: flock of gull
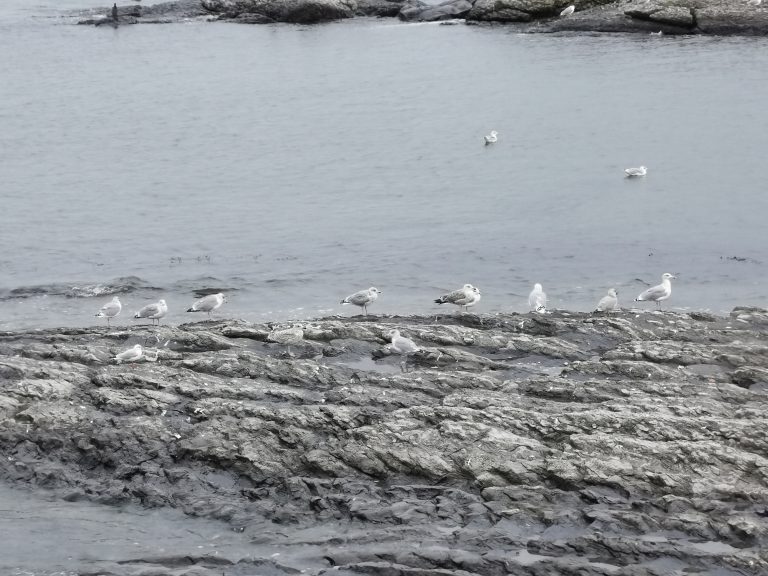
465	297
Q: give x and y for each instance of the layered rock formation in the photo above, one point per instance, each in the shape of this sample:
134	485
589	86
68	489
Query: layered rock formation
621	444
667	16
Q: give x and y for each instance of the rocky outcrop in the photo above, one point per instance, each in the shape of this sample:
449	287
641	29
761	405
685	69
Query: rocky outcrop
616	444
667	16
295	11
415	10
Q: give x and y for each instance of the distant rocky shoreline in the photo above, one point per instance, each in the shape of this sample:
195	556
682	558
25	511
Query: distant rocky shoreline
623	444
717	17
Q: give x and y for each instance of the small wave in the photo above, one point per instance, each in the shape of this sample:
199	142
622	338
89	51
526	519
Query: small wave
123	285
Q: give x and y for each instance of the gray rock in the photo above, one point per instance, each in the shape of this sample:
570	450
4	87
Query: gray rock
423	12
295	11
566	444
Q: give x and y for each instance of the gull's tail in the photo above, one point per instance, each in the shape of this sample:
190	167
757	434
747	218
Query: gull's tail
193	309
439	301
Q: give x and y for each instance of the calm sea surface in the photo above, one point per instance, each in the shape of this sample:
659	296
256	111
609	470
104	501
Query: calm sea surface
290	166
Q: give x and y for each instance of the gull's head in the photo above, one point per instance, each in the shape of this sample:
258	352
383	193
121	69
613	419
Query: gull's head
613	292
374	290
161	302
393	334
538	287
115	299
494	133
137	347
668	276
475	289
468	287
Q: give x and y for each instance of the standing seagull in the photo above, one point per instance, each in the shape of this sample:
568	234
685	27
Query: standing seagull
609	302
363	298
464	297
568	11
110	309
208	303
492	138
537	299
402	345
658	293
131	355
636	172
153	311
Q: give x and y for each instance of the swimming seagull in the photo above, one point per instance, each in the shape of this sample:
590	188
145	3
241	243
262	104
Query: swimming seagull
402	345
208	303
492	138
110	309
464	297
568	11
153	311
537	299
658	293
131	355
633	172
609	302
363	298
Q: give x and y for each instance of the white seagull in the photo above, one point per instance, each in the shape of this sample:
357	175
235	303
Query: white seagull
153	311
609	302
464	297
402	345
658	293
492	138
110	309
635	172
208	303
537	299
568	11
131	355
363	298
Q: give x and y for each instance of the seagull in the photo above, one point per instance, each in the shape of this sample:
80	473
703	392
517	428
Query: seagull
288	336
464	297
208	303
131	355
754	2
633	172
537	299
609	302
658	293
492	138
568	11
363	298
110	309
153	311
402	345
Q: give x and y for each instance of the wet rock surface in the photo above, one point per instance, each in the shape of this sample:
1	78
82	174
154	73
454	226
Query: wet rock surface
722	17
633	443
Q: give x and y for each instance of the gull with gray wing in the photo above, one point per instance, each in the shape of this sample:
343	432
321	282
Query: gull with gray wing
208	303
110	309
609	302
153	311
659	292
403	346
464	297
363	298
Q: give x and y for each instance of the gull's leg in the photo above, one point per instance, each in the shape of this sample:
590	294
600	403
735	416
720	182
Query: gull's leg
365	310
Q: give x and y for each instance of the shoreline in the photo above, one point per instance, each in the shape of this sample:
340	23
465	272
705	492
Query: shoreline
563	442
658	17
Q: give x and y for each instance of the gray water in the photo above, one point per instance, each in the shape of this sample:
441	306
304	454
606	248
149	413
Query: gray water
290	166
